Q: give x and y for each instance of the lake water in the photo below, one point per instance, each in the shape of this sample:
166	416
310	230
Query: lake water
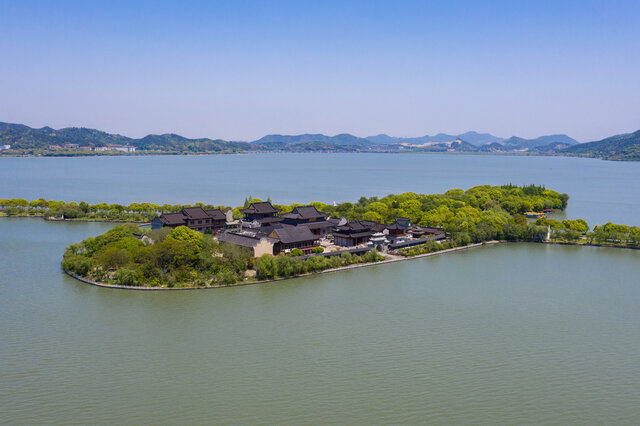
509	334
516	334
600	190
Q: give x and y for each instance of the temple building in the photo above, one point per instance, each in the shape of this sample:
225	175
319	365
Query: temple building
192	217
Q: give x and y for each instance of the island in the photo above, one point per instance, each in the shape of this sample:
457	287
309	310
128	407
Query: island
199	247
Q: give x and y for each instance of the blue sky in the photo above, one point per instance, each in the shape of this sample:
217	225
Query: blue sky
239	70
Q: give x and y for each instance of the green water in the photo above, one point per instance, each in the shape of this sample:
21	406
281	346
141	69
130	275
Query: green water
509	334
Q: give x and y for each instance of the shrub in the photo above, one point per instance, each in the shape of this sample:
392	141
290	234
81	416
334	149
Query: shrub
126	276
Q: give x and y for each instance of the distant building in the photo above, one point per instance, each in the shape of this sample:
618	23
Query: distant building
123	148
71	145
3	147
55	147
86	148
101	148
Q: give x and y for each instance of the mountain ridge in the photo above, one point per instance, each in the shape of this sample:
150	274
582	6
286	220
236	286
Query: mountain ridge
31	141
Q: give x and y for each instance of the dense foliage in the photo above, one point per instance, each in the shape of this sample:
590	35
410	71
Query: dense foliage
621	147
164	257
182	257
287	266
577	230
134	212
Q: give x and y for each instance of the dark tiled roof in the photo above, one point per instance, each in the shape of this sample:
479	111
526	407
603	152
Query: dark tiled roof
195	213
216	214
395	226
294	234
271	219
172	219
263	207
320	225
304	212
357	226
244	240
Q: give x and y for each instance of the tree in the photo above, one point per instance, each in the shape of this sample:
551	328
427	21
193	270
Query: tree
372	216
265	265
182	233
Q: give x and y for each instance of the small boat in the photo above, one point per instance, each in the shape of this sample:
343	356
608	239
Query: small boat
534	215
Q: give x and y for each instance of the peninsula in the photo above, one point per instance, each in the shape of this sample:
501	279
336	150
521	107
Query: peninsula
200	247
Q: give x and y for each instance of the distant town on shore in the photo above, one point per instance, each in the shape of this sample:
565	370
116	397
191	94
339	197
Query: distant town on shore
18	139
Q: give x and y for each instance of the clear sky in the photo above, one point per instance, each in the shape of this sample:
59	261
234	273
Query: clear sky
239	70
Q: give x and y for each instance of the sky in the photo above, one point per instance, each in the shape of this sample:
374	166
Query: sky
239	70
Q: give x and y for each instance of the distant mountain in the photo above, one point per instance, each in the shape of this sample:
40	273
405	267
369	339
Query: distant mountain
562	138
343	139
620	147
477	139
515	143
23	137
26	140
473	138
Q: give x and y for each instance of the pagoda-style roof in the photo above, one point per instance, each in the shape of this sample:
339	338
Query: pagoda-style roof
195	213
216	214
304	213
293	234
263	207
171	219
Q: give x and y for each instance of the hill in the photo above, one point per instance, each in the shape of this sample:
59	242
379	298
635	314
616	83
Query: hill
620	147
520	144
343	139
22	137
473	138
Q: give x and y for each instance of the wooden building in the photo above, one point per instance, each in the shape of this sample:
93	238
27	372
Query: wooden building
259	210
192	217
354	233
258	244
290	237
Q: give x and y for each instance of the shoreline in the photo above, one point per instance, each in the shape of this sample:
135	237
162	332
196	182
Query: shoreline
36	216
327	271
308	274
150	154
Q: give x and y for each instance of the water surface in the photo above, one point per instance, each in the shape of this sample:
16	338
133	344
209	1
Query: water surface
600	190
515	334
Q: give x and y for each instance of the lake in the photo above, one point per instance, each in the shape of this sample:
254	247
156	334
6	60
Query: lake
516	334
600	190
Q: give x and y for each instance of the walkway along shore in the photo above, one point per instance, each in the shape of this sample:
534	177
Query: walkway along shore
243	283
